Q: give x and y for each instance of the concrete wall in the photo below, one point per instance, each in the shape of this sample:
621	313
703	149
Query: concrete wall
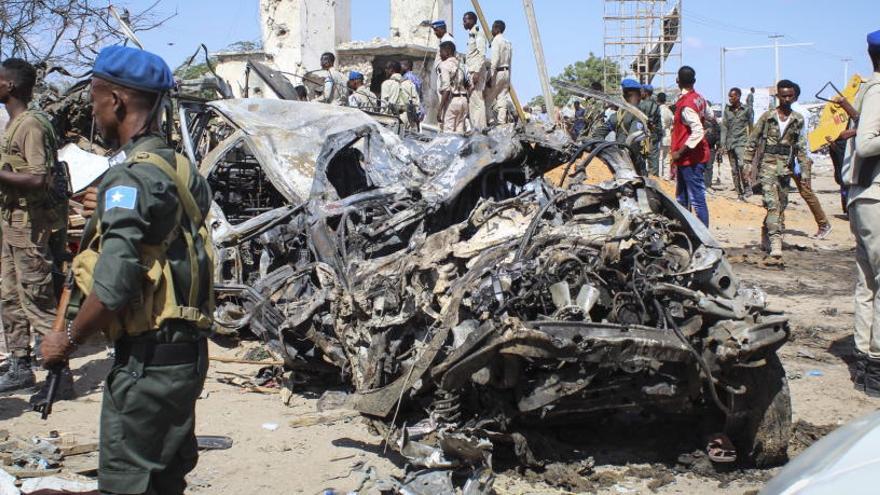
231	67
407	15
297	32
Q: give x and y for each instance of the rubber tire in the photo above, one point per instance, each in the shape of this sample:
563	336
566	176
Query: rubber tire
762	434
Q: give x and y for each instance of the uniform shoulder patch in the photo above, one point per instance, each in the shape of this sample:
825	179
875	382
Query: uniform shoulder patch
124	197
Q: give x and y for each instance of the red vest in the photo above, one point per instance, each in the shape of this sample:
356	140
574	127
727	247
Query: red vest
681	132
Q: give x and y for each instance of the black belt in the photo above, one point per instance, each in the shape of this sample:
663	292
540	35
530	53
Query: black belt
458	94
152	353
499	69
777	149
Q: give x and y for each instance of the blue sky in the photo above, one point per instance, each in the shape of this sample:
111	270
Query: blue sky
570	29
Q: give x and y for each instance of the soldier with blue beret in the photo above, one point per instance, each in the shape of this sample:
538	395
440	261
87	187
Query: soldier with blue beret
143	277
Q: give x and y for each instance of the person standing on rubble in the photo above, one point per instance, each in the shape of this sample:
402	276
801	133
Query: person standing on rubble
439	28
498	89
335	83
360	97
736	122
780	131
475	62
688	149
861	174
29	213
144	278
453	96
625	126
651	109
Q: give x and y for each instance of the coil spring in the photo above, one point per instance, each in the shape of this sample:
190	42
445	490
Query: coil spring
446	406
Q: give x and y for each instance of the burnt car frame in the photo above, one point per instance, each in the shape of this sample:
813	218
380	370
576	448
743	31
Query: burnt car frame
460	293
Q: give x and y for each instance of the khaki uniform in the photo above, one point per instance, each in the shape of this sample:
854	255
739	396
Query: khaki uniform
390	94
776	167
499	75
451	79
335	88
475	61
26	290
363	98
147	433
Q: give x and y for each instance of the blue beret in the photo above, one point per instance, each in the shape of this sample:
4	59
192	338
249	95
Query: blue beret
438	24
874	39
630	84
355	75
647	87
133	68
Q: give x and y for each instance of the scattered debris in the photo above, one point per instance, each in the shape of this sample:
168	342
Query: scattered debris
213	442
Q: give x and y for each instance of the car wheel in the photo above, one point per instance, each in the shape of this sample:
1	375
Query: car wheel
760	423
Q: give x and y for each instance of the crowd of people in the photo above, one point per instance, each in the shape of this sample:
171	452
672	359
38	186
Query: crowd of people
473	87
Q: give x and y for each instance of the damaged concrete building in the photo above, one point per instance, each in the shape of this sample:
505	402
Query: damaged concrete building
296	32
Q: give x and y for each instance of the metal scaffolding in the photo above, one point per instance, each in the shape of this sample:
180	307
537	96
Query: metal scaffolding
643	37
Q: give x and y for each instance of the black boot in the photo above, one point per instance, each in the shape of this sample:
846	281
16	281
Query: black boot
63	392
19	377
872	377
857	372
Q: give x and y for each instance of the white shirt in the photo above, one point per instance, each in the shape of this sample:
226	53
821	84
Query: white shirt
501	53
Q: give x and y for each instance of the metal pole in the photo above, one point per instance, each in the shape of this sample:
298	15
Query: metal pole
846	62
529	8
775	38
723	82
485	25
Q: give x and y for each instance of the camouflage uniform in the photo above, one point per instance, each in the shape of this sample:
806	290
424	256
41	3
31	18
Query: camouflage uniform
735	124
780	149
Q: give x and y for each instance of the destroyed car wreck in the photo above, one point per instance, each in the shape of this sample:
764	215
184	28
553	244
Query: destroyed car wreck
465	298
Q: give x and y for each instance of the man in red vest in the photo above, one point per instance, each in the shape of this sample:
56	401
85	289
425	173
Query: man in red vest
689	150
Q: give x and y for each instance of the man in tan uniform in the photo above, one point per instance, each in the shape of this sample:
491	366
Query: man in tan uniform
335	83
398	93
475	60
453	97
27	219
498	91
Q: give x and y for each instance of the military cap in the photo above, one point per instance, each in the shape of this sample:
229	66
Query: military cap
439	24
647	87
630	84
355	75
133	68
874	39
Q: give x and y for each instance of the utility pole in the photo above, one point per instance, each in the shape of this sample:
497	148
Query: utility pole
846	62
529	8
775	38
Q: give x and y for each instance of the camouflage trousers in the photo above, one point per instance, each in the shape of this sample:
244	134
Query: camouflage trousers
775	188
27	294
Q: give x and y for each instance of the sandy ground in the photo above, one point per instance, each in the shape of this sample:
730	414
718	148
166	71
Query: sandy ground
271	457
